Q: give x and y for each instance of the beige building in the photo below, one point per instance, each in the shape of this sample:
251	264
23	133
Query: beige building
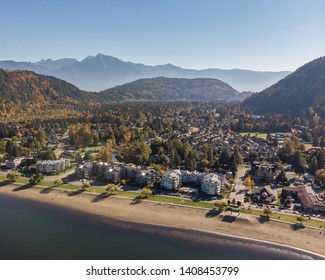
50	166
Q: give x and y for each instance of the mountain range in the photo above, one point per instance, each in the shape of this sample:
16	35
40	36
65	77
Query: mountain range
300	90
26	91
100	72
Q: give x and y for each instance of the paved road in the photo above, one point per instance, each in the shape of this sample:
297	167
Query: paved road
238	192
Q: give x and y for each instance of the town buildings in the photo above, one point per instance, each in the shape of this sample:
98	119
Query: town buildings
13	163
171	179
264	194
264	171
210	183
114	173
308	202
52	166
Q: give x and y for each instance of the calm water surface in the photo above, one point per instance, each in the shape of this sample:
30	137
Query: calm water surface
33	230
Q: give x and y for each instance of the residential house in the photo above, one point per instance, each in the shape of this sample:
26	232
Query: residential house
264	194
13	163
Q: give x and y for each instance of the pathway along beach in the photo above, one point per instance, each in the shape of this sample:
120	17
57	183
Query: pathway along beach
181	217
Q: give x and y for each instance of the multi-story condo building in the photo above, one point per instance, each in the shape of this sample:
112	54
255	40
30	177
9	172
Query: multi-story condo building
113	173
209	183
264	171
171	179
212	183
50	166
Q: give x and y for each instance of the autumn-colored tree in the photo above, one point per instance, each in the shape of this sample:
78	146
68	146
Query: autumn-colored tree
111	189
12	177
57	182
221	205
267	212
146	192
85	186
300	219
248	182
36	178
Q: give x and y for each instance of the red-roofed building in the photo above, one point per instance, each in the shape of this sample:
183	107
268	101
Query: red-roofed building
302	195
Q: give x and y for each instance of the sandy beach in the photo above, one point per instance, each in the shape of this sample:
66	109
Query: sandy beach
162	214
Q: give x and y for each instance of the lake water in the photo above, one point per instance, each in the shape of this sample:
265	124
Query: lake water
33	230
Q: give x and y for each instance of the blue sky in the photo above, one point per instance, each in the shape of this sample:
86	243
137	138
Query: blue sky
247	34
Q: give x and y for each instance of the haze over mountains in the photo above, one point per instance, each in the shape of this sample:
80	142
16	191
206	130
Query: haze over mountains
102	72
300	90
27	91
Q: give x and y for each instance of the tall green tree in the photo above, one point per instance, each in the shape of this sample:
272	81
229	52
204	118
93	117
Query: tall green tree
321	159
299	162
135	152
105	155
224	156
286	152
237	155
313	165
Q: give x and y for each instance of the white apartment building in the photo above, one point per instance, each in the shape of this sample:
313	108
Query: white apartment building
212	184
171	179
50	166
209	183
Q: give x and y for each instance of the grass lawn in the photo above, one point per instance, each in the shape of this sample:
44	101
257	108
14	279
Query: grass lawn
257	134
286	218
278	198
308	146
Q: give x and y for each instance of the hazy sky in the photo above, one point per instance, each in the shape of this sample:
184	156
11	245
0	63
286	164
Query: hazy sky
247	34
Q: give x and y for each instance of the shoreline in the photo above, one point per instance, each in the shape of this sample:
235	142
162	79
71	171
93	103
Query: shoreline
308	241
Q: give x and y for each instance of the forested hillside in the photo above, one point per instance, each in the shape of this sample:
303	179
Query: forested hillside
162	88
28	92
300	90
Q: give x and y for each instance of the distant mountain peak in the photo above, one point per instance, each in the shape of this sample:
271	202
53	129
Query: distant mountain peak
102	71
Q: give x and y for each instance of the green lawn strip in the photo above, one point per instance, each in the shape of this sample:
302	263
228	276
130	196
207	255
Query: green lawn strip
3	178
257	134
278	199
285	218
